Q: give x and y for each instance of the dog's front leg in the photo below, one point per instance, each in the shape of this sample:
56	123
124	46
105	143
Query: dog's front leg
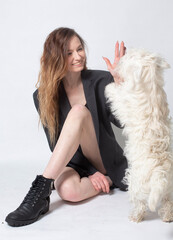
138	213
166	210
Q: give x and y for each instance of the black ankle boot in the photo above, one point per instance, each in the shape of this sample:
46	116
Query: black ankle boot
35	203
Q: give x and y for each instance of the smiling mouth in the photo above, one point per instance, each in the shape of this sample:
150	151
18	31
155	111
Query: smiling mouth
77	64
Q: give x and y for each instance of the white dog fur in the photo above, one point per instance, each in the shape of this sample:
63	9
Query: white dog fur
140	103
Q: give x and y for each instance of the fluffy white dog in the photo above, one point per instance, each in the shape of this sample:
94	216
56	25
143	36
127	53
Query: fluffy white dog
140	103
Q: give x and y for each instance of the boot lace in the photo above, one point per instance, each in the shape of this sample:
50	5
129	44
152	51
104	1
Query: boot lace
35	192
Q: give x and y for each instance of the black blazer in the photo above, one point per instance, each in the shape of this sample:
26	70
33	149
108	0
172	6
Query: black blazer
94	82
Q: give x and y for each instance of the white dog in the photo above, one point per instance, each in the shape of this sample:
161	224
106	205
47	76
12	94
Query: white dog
140	103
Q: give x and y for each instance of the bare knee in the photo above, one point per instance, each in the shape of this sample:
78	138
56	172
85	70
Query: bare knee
79	111
68	190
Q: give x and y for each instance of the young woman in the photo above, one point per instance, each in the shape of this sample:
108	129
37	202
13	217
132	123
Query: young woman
86	158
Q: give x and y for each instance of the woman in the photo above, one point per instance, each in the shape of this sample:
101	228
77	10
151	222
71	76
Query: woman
86	158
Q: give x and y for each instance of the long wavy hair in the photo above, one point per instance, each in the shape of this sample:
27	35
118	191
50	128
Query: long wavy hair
53	68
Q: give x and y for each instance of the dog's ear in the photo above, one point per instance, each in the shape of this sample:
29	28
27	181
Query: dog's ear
162	63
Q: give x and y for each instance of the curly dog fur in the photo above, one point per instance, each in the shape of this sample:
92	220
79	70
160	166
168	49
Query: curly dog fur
140	103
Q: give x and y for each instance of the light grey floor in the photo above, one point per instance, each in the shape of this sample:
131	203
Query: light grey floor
102	217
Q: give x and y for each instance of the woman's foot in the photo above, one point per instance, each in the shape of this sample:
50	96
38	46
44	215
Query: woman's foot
35	204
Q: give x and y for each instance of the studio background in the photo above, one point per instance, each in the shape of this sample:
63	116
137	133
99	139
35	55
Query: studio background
25	24
24	151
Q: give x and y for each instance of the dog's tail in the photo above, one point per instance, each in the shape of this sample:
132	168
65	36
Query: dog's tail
158	183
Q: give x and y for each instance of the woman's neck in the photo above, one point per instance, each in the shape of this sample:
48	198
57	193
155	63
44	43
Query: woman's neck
72	80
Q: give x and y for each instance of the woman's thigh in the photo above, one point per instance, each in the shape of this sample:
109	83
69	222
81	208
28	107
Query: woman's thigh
89	143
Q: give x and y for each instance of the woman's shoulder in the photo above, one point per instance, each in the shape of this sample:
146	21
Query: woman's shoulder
97	75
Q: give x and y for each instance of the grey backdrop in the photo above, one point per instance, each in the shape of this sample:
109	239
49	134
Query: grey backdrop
25	25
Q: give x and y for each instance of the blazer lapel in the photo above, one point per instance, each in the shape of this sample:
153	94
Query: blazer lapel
91	100
64	102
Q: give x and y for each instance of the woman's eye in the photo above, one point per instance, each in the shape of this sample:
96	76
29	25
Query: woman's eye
79	49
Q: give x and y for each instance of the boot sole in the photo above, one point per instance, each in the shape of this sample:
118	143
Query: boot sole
16	223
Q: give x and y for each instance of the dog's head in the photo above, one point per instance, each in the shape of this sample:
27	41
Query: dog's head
139	66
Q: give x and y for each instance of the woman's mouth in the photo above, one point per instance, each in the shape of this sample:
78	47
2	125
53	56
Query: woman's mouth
77	64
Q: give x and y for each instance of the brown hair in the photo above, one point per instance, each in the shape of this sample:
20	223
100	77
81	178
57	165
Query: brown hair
53	67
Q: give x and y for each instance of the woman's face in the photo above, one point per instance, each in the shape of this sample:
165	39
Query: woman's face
76	55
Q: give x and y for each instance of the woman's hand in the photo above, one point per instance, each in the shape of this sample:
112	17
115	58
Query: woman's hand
118	55
100	182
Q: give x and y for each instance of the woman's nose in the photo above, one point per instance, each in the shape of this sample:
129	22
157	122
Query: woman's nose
76	55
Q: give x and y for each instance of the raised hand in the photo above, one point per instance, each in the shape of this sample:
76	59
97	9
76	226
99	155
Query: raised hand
118	54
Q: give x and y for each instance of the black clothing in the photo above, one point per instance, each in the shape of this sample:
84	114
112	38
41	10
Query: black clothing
115	163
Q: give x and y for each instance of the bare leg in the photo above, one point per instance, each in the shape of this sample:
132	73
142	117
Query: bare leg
71	187
78	129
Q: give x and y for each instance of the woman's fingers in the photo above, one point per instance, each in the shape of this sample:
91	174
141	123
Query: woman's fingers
106	183
112	67
100	182
117	54
103	186
122	49
99	185
94	183
108	63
